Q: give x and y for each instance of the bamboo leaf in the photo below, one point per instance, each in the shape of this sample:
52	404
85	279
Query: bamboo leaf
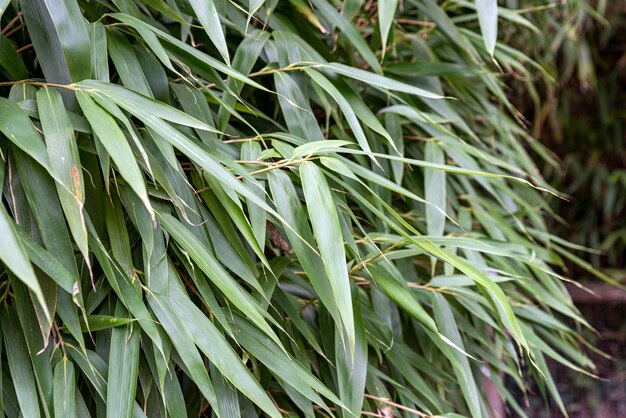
386	13
435	191
133	101
126	63
122	375
18	128
185	347
187	51
209	18
65	389
379	81
301	239
325	223
71	30
352	368
46	42
3	6
345	106
116	145
488	19
294	103
447	324
48	263
13	256
62	149
19	364
99	58
280	363
402	296
10	60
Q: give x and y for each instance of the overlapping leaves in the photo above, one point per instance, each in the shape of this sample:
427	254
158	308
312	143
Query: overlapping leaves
242	208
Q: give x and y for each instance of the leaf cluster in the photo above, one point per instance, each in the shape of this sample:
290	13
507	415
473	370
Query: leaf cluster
298	208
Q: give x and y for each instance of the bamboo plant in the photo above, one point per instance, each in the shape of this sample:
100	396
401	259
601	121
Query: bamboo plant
272	208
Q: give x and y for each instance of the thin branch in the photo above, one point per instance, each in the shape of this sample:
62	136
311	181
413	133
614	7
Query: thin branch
11	23
414	22
290	67
283	165
11	32
24	48
397	405
40	83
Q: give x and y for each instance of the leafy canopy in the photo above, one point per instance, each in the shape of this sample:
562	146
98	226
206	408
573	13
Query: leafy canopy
241	208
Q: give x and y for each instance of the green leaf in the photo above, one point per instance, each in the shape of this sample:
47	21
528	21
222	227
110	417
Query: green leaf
19	364
345	106
11	61
488	20
48	263
46	42
14	257
435	190
100	322
325	221
447	324
294	102
301	239
379	81
3	7
445	24
115	143
122	375
65	389
71	30
386	13
16	125
34	330
99	56
258	215
133	101
189	53
280	363
42	198
400	293
126	63
183	342
352	368
62	149
209	18
130	295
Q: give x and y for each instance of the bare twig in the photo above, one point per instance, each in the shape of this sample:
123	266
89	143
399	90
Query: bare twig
11	23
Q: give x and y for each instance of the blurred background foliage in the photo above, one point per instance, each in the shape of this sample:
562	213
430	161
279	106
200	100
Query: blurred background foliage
579	113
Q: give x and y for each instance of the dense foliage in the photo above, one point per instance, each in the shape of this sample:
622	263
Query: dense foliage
241	208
